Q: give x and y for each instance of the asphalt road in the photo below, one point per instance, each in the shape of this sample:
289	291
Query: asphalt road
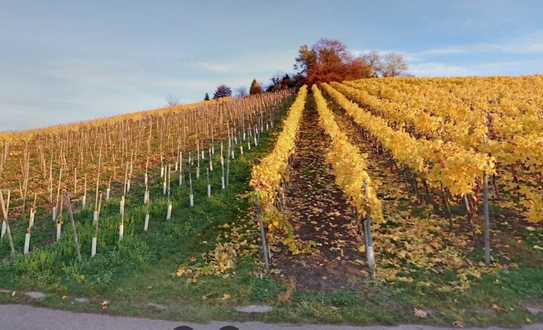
21	317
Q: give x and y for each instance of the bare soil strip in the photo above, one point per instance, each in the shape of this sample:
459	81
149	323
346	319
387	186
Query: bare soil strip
321	216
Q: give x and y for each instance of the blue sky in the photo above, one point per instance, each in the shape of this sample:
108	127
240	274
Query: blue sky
64	61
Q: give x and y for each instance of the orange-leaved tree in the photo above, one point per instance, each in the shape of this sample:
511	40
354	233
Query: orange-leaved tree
329	60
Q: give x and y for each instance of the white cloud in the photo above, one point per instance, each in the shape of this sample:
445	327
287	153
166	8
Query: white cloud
442	61
214	67
250	63
438	69
531	44
488	68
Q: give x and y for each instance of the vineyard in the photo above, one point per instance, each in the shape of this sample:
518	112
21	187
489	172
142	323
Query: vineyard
84	203
431	183
430	186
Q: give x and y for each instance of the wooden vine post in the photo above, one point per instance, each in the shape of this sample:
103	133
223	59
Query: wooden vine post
4	229
121	225
170	205
5	222
146	199
191	192
68	201
265	249
28	235
369	246
60	220
486	212
208	184
370	255
181	169
223	182
94	242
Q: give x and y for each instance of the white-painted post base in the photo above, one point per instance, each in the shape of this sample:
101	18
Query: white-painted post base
31	219
198	172
146	197
93	246
54	214
241	150
256	142
95	217
222	183
128	184
369	247
59	231
27	244
108	193
210	164
121	206
4	229
121	232
191	200
84	202
371	257
146	223
169	212
208	190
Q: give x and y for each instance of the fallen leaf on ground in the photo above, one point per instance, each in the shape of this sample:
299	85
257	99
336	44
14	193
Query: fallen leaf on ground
421	313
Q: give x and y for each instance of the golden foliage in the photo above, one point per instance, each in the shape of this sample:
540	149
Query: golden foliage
442	164
267	176
500	116
348	163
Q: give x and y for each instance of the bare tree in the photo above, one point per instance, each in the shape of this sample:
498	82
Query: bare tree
241	92
394	65
172	100
374	60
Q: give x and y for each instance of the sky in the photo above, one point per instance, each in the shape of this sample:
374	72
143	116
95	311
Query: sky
66	61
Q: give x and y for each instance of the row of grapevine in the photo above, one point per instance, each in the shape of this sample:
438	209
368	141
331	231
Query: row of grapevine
268	176
417	121
36	165
188	163
440	164
349	164
499	116
349	167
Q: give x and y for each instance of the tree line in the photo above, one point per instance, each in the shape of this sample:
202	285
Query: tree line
327	60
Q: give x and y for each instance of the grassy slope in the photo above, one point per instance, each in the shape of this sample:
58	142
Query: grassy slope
142	268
